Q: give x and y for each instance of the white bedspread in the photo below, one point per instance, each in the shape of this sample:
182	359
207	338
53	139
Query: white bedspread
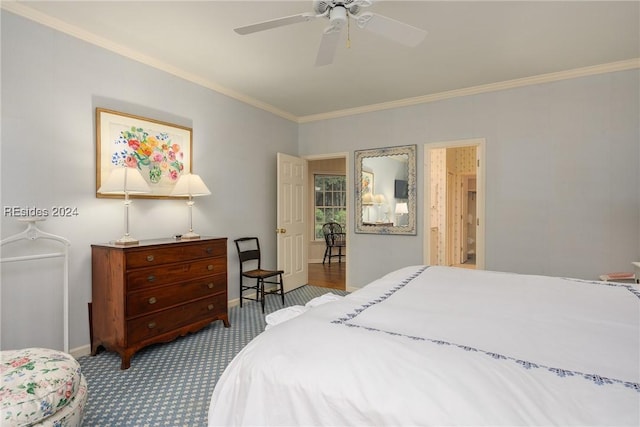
445	346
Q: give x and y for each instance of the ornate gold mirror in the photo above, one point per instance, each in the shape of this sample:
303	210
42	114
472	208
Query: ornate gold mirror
385	193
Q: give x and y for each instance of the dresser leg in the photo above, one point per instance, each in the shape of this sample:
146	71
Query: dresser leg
125	360
225	320
94	348
90	307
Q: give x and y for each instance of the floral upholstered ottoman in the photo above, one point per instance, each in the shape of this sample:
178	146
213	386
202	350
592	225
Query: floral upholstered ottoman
41	387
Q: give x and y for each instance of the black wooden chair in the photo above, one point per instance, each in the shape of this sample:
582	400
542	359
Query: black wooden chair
334	239
250	268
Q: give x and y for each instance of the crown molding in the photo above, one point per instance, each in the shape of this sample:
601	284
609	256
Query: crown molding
34	15
56	24
474	90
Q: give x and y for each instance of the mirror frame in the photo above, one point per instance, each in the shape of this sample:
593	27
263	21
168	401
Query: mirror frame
360	155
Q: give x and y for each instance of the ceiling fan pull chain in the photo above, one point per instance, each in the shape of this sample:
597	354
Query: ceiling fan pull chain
348	32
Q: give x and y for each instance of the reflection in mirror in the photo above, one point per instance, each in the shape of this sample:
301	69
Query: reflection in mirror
385	193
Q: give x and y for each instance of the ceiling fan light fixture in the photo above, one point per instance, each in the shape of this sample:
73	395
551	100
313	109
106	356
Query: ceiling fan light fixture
322	6
338	16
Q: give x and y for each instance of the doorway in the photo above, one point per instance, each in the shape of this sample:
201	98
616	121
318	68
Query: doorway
454	203
321	172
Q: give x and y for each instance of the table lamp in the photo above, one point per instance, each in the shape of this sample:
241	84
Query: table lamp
380	200
125	180
190	185
401	209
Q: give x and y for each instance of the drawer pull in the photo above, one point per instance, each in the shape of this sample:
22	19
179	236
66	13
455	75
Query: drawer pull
210	267
210	307
150	258
151	278
151	325
209	250
210	285
152	300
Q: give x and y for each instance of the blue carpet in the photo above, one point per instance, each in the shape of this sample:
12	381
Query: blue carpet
171	384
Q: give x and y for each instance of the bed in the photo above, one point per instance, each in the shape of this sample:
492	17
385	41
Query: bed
445	346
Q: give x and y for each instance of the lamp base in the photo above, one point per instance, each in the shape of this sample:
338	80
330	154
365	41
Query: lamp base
190	236
126	241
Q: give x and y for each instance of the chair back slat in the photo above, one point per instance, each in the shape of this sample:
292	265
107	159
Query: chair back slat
248	250
331	227
249	255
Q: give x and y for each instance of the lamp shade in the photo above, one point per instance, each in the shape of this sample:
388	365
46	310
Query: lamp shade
401	208
190	185
367	199
125	180
379	198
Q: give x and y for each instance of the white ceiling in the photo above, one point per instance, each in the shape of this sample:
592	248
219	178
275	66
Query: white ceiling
469	44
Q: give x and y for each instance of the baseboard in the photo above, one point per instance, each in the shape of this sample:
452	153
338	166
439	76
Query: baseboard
84	350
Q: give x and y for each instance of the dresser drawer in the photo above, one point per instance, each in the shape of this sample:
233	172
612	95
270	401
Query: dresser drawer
154	299
172	273
147	327
150	256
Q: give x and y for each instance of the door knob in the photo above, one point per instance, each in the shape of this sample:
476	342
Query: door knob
281	230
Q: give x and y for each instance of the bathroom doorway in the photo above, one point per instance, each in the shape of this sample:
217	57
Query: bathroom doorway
454	210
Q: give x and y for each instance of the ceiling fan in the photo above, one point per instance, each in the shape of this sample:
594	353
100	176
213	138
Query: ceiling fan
338	13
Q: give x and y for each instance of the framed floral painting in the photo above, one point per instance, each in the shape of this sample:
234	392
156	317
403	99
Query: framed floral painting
160	151
367	183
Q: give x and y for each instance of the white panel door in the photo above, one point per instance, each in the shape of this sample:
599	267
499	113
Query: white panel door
291	216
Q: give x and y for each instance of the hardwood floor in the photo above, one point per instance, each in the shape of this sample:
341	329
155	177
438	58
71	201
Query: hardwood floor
328	275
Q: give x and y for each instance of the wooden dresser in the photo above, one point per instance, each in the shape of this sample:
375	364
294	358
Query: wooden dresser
155	292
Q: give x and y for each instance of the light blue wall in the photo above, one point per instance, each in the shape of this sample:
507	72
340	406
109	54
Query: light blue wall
563	162
51	85
562	171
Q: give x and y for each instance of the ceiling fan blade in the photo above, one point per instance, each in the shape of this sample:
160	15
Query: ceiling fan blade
397	31
275	23
328	46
